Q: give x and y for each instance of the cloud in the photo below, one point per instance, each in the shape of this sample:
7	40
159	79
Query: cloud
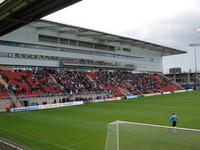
171	23
177	31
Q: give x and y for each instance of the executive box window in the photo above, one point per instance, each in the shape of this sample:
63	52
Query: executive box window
17	55
50	39
100	46
85	44
73	42
79	51
64	41
111	48
126	50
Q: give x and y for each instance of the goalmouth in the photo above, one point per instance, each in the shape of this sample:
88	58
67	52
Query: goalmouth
123	135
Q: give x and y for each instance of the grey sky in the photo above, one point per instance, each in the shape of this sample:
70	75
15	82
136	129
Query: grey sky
171	23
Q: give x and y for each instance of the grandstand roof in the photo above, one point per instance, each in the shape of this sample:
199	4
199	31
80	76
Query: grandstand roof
105	37
16	13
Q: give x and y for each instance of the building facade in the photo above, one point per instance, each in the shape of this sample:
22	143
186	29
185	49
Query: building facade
49	44
187	80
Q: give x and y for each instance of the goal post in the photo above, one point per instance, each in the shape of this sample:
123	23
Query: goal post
122	135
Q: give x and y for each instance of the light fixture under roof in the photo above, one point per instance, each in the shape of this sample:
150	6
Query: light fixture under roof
1	1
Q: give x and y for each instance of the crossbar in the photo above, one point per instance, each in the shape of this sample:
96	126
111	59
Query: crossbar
153	125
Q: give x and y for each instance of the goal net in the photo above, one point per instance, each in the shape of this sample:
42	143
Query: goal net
122	135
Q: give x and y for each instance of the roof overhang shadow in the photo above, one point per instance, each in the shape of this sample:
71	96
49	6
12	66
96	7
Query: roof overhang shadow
17	13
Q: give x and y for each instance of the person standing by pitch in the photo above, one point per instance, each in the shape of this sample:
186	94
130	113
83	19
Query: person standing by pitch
173	119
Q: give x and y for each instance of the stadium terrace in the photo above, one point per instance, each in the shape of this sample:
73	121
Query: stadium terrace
49	65
67	63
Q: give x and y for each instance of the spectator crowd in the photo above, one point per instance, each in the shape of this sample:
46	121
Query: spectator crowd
44	82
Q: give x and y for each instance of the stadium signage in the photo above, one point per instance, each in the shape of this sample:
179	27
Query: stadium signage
152	94
166	92
47	106
114	99
93	101
180	91
98	100
131	97
25	108
189	90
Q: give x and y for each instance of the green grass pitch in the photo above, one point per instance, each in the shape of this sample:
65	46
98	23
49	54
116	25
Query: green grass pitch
85	127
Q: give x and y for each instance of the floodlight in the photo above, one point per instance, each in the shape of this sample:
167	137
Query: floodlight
194	44
198	30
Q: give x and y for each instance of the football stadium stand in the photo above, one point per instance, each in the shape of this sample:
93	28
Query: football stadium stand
48	62
51	82
3	92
